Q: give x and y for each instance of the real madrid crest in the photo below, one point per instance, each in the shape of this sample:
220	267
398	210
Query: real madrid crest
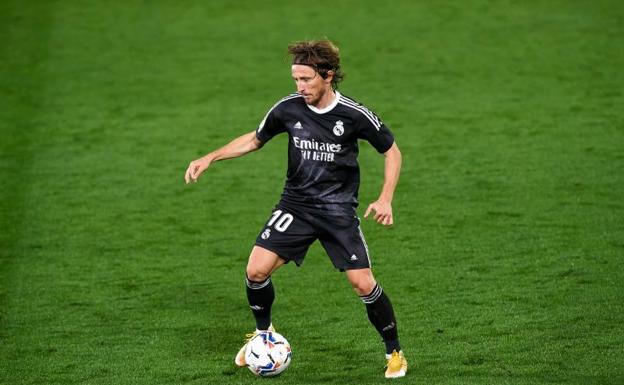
339	128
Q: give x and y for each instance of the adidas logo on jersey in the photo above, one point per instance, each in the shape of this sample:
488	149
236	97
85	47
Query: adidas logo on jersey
298	126
354	257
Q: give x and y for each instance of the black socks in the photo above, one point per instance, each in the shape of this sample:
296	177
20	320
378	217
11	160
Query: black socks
260	296
381	315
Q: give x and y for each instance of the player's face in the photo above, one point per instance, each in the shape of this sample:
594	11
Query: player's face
311	85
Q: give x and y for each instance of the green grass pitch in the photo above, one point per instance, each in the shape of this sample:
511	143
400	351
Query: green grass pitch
505	262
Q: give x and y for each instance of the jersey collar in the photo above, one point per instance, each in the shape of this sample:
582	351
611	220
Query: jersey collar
328	108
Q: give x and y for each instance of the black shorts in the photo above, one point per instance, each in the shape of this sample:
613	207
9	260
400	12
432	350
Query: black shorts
290	232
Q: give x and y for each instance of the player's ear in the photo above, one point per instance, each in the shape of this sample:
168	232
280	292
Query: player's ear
329	76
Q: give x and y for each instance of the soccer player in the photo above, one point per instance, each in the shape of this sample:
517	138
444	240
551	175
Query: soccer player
320	196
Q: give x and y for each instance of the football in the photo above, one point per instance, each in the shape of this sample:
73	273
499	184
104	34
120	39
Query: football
268	354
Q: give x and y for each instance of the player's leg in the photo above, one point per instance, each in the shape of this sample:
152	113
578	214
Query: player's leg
285	237
381	315
260	293
344	242
378	306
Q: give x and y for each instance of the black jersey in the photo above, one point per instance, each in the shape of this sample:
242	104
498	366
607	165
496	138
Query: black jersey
323	171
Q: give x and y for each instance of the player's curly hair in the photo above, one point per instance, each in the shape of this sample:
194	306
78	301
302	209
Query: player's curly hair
322	55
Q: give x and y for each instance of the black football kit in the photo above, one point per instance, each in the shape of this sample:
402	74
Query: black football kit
320	198
323	177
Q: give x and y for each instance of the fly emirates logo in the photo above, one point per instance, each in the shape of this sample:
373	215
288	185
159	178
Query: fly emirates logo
318	151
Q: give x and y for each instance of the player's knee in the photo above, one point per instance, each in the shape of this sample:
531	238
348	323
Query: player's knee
256	275
363	286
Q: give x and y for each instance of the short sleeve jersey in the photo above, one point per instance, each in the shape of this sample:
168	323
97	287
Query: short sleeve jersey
323	171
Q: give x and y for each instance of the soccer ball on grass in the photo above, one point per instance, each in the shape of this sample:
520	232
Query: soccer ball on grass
268	354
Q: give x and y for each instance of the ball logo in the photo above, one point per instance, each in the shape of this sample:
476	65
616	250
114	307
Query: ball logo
266	234
339	128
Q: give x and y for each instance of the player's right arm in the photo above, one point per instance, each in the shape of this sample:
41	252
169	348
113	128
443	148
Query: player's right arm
240	146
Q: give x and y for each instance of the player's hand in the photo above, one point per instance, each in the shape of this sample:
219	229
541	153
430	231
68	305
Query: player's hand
382	212
195	169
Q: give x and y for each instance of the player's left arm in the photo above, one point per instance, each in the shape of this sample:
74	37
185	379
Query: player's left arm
382	207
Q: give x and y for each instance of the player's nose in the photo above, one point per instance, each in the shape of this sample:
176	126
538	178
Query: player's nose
300	87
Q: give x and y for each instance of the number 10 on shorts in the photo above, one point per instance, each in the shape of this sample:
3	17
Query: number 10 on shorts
281	220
